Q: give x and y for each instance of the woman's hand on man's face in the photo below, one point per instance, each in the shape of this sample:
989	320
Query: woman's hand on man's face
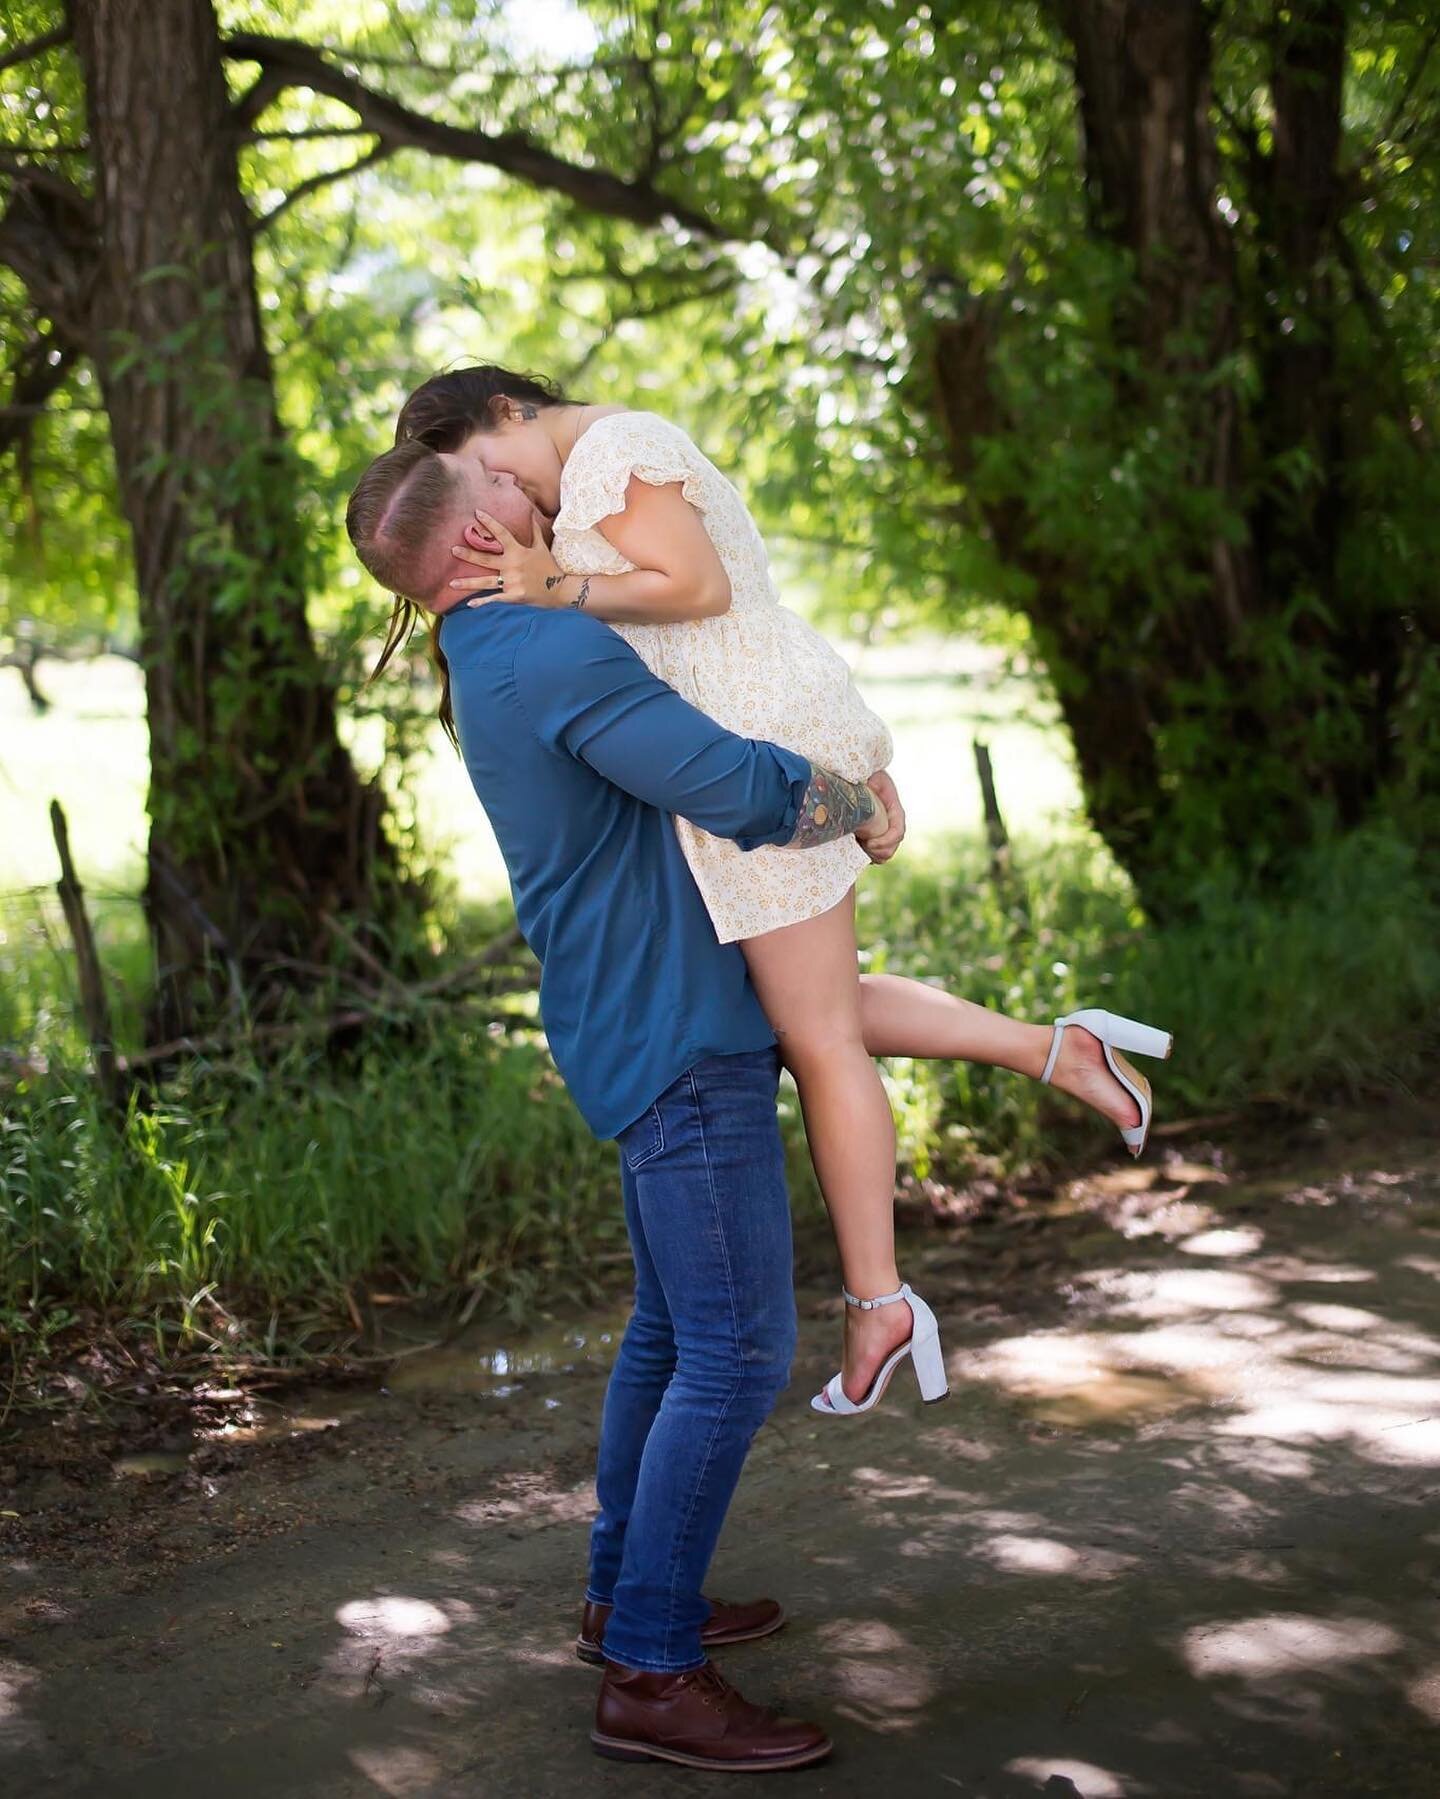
506	568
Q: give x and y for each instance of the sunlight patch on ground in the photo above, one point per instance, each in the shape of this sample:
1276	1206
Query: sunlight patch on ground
16	1730
532	1497
1338	1318
1283	1643
399	1770
1239	1240
1176	1292
1030	1555
1424	1694
389	1637
884	1503
887	1693
861	1636
1273	1372
1043	1555
392	1616
1084	1777
1294	1269
1078	1378
1171	1216
1385	1435
881	1484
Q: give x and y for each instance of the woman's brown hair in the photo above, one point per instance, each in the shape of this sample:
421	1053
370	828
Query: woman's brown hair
440	416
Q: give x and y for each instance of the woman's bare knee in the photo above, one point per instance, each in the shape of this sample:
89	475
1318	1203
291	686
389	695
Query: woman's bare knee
820	1042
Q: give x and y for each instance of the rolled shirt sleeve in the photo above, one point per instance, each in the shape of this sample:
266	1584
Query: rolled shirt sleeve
602	704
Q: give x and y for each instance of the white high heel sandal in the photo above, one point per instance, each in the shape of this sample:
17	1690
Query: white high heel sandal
922	1346
1117	1033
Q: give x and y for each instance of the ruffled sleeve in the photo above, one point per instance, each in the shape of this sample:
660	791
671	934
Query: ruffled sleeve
623	444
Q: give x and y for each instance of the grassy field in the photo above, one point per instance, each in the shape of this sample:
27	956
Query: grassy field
90	753
243	1206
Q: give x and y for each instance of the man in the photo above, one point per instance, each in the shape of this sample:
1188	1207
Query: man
580	757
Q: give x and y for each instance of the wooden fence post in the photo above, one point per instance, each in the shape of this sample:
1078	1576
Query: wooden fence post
995	832
93	1003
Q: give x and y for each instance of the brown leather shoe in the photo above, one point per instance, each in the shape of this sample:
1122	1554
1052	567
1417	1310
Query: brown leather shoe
728	1623
699	1720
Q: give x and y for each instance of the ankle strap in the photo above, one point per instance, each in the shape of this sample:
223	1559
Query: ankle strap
1054	1056
885	1299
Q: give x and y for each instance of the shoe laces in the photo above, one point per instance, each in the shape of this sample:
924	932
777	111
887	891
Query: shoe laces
711	1685
716	1691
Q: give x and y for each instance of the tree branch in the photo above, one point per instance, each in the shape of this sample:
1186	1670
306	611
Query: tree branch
267	86
47	237
1249	140
36	376
300	137
1406	410
36	47
315	182
1417	69
725	283
285	62
61	149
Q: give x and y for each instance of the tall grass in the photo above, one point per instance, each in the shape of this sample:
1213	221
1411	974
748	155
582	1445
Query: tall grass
1329	986
245	1204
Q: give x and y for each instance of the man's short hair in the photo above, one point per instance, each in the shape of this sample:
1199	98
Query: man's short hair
398	517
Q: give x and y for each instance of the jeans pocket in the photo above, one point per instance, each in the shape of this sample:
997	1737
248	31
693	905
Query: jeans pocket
643	1139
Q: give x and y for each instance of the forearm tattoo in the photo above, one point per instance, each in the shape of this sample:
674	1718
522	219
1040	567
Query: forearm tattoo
832	808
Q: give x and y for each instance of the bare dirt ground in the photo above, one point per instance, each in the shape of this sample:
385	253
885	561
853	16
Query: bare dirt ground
1173	1533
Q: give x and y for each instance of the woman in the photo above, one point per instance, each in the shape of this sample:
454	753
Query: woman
651	537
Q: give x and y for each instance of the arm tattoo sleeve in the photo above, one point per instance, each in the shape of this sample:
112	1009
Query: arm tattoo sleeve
832	808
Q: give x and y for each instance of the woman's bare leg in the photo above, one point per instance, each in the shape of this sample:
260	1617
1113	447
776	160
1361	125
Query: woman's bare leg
831	1022
910	1018
807	979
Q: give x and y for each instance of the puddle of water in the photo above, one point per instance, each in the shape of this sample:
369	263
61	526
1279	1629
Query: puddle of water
476	1363
145	1464
1195	1174
1112	1397
267	1430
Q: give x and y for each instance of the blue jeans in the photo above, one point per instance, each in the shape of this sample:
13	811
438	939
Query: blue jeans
705	1355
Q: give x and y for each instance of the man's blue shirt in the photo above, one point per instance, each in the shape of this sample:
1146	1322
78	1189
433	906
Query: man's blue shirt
580	755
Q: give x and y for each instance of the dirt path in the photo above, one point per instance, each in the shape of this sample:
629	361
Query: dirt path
1174	1533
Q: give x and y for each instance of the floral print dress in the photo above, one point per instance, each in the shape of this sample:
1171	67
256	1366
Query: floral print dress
757	669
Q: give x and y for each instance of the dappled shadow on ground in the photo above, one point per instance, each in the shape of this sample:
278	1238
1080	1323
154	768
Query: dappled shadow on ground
1189	1528
1173	1533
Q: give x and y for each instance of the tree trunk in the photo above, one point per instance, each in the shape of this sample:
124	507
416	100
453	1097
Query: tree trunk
259	823
1215	721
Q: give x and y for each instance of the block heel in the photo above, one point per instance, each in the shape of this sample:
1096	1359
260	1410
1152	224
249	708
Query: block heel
922	1346
1115	1034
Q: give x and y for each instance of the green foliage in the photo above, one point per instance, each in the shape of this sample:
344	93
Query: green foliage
871	171
443	1163
1329	984
440	1158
